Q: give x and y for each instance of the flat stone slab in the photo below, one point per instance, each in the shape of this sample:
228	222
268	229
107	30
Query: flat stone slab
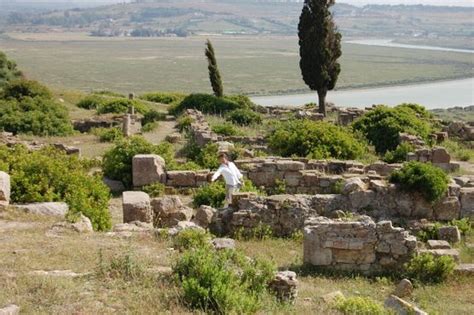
436	244
10	309
442	252
402	307
464	269
46	208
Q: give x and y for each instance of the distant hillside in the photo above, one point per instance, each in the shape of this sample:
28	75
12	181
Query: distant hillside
145	18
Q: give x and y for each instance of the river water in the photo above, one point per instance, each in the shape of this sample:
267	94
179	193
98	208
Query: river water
442	94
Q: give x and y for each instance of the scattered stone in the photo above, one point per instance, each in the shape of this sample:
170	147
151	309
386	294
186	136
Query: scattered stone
174	138
332	297
464	269
353	185
450	234
204	216
169	210
402	307
437	244
182	226
83	225
403	289
115	186
223	243
148	169
4	188
10	309
440	155
284	285
58	273
135	226
136	207
467	202
46	208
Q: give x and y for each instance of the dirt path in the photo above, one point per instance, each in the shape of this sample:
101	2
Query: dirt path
159	134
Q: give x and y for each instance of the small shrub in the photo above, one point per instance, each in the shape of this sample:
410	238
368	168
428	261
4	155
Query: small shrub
154	190
208	104
399	155
91	102
360	306
464	225
108	134
21	89
210	195
117	162
430	181
244	117
163	98
260	233
50	175
184	122
210	283
337	187
318	140
8	70
225	129
279	188
36	116
125	267
150	119
429	232
382	126
460	151
192	239
121	105
427	268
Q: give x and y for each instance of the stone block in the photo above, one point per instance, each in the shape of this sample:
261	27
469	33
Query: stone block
447	209
181	178
46	208
467	202
437	244
290	165
136	207
402	307
4	188
223	243
454	253
440	155
204	216
284	286
403	289
168	211
464	269
450	234
148	169
10	309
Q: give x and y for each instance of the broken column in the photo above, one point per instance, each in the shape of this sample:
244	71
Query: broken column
127	125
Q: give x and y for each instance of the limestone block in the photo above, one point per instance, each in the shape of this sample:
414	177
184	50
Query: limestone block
447	209
168	211
181	178
136	207
450	234
440	155
467	202
46	208
148	169
437	244
204	216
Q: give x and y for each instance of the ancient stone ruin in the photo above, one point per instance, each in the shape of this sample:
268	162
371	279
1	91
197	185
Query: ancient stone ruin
357	244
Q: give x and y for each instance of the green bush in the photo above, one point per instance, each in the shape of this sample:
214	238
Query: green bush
150	118
124	266
91	102
427	268
121	105
184	122
8	70
464	225
37	116
225	129
318	140
208	104
399	155
429	180
108	134
360	306
21	89
429	232
117	162
244	117
210	283
210	195
163	98
51	175
154	190
192	239
382	126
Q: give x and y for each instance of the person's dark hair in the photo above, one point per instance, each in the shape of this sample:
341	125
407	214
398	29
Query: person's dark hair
223	155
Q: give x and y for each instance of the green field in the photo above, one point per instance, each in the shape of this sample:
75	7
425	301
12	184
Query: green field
250	65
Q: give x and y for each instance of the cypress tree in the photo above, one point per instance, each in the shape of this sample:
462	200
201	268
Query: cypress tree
320	47
214	74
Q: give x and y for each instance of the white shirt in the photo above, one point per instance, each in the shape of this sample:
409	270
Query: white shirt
231	174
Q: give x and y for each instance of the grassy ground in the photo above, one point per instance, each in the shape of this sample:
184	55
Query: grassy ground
27	247
253	65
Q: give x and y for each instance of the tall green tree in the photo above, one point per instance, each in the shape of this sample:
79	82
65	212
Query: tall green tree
320	48
214	74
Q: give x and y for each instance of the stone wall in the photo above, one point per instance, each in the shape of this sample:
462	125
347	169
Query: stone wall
359	245
286	213
438	156
461	130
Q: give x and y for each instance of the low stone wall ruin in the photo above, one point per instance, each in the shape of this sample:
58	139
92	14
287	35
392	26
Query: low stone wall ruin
359	245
